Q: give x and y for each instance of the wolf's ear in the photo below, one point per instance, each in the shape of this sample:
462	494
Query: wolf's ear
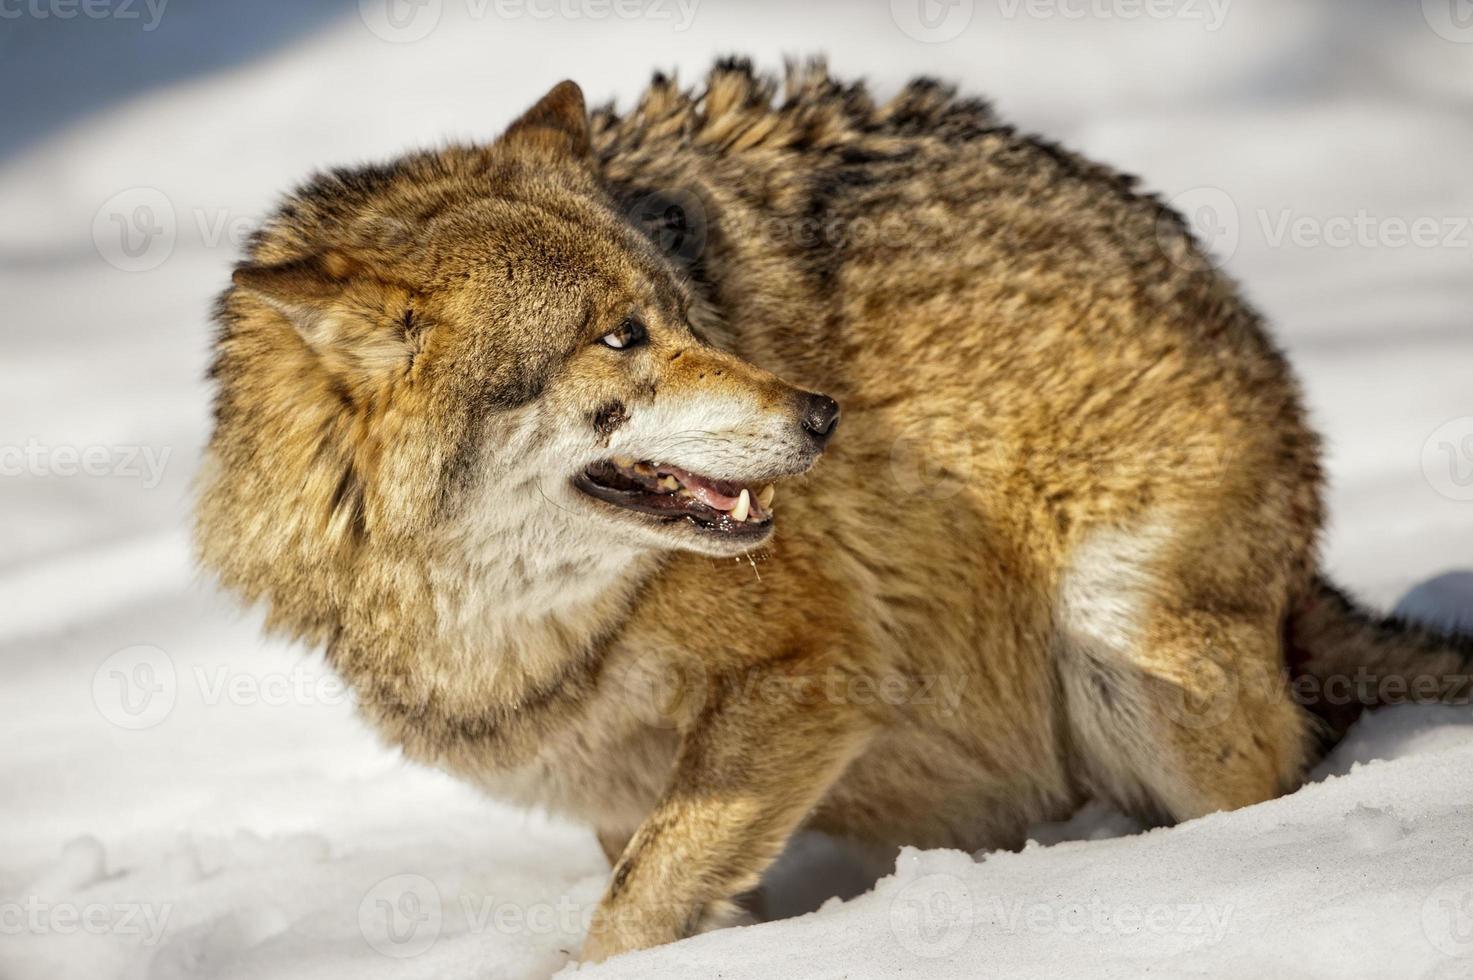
557	124
356	323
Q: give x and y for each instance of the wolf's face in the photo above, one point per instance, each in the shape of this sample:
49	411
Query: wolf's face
512	352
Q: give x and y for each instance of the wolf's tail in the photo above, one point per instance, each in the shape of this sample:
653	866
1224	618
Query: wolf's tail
1344	659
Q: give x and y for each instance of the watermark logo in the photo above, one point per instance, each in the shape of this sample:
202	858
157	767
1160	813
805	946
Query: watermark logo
1452	20
1206	695
1211	13
1447	917
662	689
148	12
401	916
933	916
143	922
932	21
1362	229
1211	216
301	685
136	687
1101	918
400	21
407	21
143	463
1447	459
1214	220
135	229
675	220
929	465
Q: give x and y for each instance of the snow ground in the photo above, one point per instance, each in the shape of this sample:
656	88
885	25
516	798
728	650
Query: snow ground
240	822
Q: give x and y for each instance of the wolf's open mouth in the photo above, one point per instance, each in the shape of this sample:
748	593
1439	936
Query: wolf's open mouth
667	491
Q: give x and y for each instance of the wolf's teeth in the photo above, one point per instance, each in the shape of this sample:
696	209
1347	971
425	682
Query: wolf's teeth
765	495
743	507
623	462
644	469
669	483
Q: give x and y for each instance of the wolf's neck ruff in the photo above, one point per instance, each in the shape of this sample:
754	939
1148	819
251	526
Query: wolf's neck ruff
512	626
520	590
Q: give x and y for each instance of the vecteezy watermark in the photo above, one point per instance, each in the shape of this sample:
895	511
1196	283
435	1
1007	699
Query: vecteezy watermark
35	458
933	916
401	916
404	915
1208	693
147	12
1447	916
564	916
674	219
1218	687
1213	219
299	686
1450	19
1211	13
407	21
136	687
32	916
1362	229
930	464
669	689
401	21
1447	459
135	229
932	21
1099	917
138	229
661	688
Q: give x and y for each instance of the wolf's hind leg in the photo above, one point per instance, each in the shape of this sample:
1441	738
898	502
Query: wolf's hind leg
1177	703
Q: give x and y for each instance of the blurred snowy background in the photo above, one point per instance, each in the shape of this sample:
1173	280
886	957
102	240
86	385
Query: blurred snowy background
180	798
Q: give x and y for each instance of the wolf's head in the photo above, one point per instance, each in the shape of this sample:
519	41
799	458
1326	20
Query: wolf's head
477	339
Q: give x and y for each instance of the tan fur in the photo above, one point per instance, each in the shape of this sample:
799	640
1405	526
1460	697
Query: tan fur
1053	550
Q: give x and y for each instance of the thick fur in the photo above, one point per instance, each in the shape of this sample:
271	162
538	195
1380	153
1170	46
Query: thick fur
1062	543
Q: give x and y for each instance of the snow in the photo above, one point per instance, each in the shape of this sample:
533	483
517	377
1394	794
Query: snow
180	797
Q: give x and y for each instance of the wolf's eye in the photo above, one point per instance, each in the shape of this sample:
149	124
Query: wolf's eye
631	333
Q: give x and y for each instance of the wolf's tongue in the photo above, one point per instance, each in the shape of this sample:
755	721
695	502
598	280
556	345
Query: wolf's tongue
703	490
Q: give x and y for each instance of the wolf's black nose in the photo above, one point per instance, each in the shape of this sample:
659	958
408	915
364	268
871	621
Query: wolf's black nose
820	414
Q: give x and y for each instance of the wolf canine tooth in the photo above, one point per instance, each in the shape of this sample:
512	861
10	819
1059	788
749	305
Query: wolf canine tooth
743	507
623	462
765	495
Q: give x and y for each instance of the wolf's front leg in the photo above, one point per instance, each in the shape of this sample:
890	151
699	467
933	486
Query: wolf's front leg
746	776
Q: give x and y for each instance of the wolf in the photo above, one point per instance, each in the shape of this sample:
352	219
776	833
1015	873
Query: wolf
770	457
